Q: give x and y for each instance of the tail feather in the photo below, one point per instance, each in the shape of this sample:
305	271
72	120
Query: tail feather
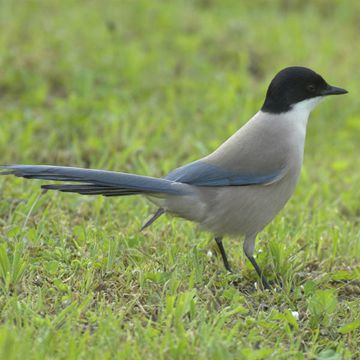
91	190
94	182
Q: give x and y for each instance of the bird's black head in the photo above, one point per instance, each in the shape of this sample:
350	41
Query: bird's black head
293	85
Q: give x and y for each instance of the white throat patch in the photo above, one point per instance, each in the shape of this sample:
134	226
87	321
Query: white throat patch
307	105
299	113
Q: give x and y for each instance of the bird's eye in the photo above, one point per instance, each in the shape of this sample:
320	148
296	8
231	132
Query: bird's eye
311	88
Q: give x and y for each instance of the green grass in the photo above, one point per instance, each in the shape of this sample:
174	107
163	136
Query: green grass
146	86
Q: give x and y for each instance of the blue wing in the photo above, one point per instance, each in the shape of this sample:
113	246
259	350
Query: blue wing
200	173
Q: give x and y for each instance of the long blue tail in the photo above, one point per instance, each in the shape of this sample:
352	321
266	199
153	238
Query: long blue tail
95	182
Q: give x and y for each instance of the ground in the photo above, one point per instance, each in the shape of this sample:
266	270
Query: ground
146	86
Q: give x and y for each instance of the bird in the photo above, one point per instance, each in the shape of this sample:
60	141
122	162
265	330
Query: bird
234	191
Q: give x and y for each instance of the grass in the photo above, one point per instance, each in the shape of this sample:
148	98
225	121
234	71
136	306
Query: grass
144	87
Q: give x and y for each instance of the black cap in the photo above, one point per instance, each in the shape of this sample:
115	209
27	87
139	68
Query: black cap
294	84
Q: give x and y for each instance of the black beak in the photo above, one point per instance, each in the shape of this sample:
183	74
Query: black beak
333	90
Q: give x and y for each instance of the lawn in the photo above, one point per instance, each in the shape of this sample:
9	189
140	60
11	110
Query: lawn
146	86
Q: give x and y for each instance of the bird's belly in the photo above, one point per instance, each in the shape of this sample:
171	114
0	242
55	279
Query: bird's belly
245	210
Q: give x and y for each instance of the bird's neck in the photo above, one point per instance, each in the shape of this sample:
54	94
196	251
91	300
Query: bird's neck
298	114
303	108
297	117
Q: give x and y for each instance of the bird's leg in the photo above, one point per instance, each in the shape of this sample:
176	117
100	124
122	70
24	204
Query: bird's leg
154	217
260	273
249	246
223	253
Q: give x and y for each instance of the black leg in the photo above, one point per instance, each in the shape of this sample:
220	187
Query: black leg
260	273
158	213
223	253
